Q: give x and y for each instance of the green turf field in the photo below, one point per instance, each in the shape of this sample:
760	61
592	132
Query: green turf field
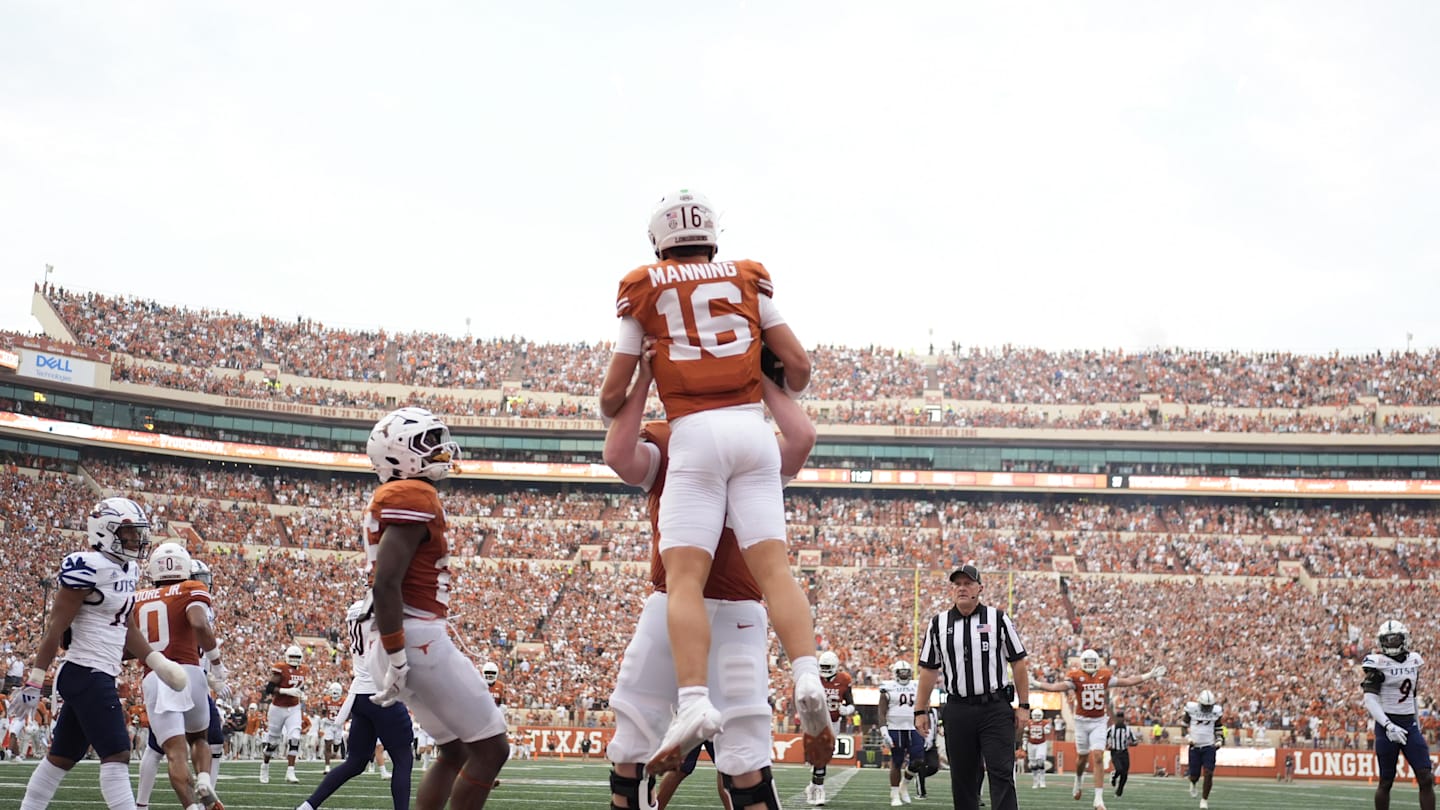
551	785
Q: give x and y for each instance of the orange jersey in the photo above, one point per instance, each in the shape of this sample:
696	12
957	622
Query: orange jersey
138	715
707	319
1091	691
426	586
252	722
497	691
837	692
730	577
162	616
330	707
1037	731
290	678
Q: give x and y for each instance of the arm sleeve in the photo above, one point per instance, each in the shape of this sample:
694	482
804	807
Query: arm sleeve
631	337
1372	705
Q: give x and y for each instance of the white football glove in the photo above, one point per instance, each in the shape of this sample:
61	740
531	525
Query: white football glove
292	691
168	671
1156	672
216	679
395	674
846	710
885	733
1396	734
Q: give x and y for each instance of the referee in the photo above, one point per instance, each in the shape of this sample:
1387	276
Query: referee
1119	739
970	645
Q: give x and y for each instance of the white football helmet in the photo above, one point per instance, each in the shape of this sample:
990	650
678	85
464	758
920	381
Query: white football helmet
1394	638
490	672
1206	699
200	572
112	516
293	656
902	671
1037	714
1090	661
411	443
334	690
169	562
683	218
829	664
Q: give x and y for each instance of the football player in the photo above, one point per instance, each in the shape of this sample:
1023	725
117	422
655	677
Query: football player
708	320
1037	746
491	673
841	701
331	721
1391	677
286	690
1206	731
1091	684
646	688
405	527
369	723
93	608
907	746
174	614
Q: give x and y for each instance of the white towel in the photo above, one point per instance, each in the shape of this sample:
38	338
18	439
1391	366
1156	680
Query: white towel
170	700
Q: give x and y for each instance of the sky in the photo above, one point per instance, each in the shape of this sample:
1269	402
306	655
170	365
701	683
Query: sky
1222	175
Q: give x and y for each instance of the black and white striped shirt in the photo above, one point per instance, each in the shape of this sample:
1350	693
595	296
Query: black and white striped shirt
1119	738
972	651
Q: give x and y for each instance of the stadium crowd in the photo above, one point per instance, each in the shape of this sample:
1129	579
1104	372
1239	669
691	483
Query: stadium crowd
238	356
1282	650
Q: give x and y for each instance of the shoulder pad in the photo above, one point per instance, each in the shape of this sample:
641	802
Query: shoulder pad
79	570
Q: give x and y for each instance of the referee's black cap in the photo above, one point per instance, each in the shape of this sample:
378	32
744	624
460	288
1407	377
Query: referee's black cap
968	570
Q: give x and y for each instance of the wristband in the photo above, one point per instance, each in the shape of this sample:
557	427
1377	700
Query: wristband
1023	705
393	641
919	712
397	659
213	655
36	677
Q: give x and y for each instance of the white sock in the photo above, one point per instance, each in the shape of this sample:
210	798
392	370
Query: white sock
1099	792
44	781
690	694
149	768
305	806
115	785
803	666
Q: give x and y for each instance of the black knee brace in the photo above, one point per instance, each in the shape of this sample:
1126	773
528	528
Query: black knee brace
293	748
763	792
817	775
269	748
629	787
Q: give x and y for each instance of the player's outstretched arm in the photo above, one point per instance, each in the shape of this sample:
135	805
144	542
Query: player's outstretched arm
787	348
1043	686
625	452
797	432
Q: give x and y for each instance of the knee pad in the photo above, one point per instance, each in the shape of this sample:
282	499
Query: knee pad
1425	780
763	792
292	748
817	775
217	750
269	748
629	787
